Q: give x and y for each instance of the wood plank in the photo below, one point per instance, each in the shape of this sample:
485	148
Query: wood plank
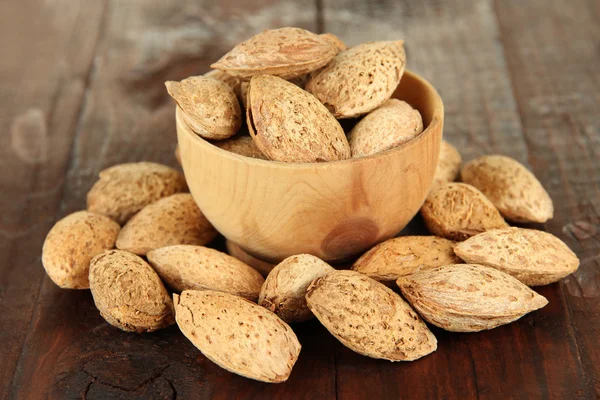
47	58
454	44
70	350
553	64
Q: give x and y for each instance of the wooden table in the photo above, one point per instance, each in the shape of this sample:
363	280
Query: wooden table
81	88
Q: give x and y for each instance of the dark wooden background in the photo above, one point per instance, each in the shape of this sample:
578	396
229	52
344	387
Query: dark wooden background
81	88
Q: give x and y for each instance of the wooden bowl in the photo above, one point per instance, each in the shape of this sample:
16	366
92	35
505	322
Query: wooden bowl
332	210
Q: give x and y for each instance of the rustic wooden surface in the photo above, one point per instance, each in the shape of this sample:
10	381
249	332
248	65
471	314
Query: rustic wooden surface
81	88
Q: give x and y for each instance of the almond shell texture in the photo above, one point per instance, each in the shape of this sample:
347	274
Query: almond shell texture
210	106
128	293
290	125
243	145
468	297
405	255
284	289
457	211
391	124
125	189
237	335
533	257
234	82
285	52
359	79
72	243
187	267
513	189
172	220
368	317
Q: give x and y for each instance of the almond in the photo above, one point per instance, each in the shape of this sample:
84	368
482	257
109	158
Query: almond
238	335
234	82
457	211
359	79
175	219
284	289
125	189
391	124
468	298
335	41
405	255
290	125
285	52
128	293
368	317
209	106
186	267
243	145
448	166
72	243
514	190
533	257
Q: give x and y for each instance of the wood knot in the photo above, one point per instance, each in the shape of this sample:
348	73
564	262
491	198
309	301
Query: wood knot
349	238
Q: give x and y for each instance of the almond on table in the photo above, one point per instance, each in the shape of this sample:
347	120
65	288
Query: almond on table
237	335
513	189
533	257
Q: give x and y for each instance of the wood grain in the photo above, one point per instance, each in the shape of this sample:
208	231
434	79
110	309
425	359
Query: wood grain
45	70
553	64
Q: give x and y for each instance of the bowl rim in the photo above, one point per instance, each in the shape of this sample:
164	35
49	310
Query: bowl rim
436	119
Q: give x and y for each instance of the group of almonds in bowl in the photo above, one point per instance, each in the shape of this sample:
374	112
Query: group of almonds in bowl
140	245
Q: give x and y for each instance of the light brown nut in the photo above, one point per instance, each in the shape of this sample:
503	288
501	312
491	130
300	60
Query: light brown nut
234	82
172	220
241	144
359	79
468	297
125	189
335	41
128	293
237	335
186	267
513	189
405	255
284	289
391	124
533	257
448	166
285	52
290	125
457	211
71	244
368	317
209	106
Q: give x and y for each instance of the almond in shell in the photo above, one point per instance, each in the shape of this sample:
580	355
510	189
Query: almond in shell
72	243
285	52
243	145
513	189
209	106
368	317
405	255
125	189
233	81
359	79
457	211
468	297
172	220
448	166
391	124
186	267
284	289
237	335
533	257
128	293
290	125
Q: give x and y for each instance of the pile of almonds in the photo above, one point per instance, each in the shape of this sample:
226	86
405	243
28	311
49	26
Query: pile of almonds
474	274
